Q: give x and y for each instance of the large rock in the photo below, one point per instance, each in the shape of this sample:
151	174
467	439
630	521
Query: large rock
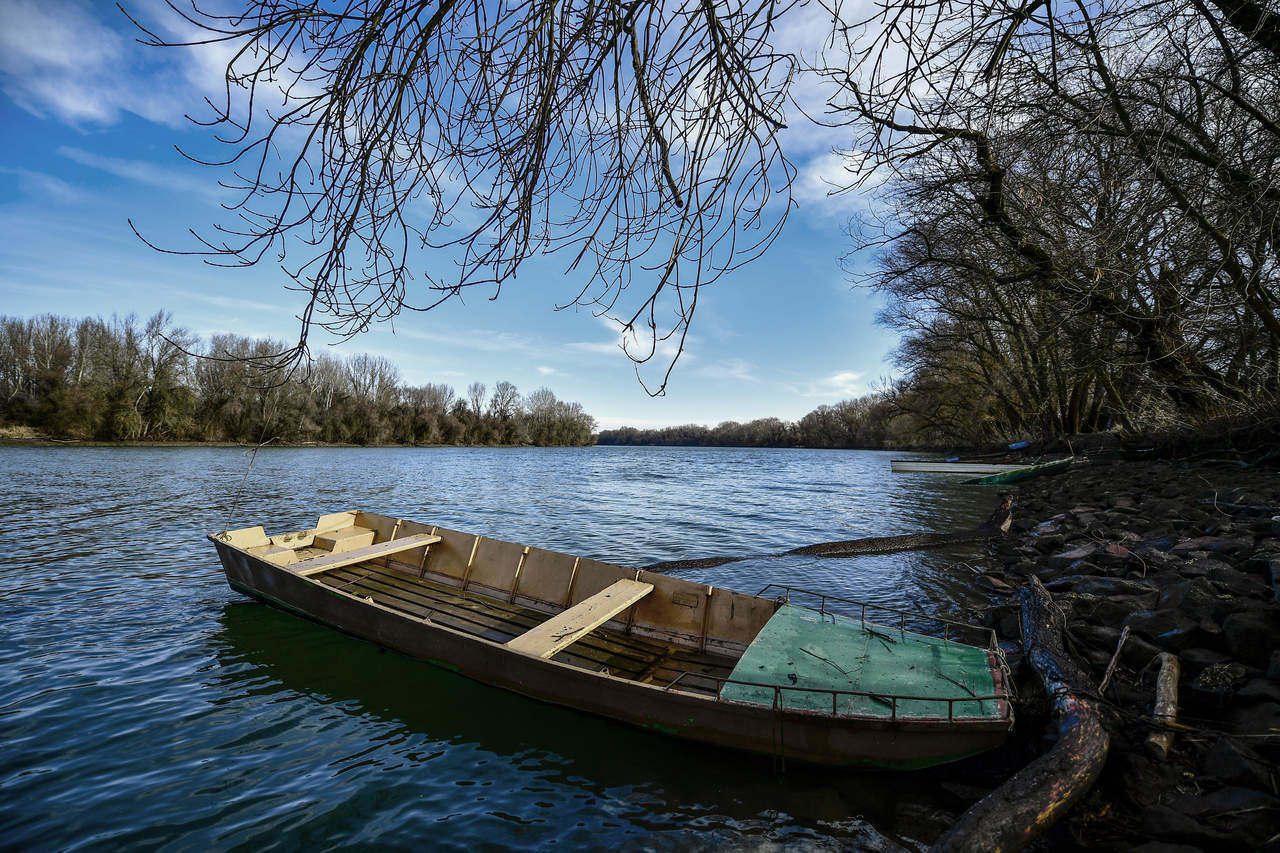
1164	822
1214	544
1193	661
1170	629
1259	690
1198	597
1236	764
1252	635
1238	582
1093	585
1257	718
1066	558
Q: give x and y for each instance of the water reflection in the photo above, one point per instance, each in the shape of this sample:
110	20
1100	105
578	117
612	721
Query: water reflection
544	765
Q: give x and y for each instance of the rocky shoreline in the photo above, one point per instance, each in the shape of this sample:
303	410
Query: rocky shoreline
1187	557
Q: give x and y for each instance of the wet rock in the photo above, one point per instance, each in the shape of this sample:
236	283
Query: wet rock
1169	629
1236	764
1214	544
1196	596
1091	585
1138	652
1259	690
1154	560
1273	668
1229	799
1166	847
995	583
1195	660
1237	582
1099	636
1050	526
1114	553
1257	718
1164	822
1252	635
1066	558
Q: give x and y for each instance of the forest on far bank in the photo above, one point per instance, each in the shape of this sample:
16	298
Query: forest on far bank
126	380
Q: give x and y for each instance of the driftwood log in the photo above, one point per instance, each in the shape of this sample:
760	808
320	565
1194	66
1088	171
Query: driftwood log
1166	710
996	525
1025	806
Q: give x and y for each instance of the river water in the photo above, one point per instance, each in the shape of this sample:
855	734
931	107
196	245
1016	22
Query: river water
144	703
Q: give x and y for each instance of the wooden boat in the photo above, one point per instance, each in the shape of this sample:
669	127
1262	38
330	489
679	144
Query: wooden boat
941	466
1026	472
745	671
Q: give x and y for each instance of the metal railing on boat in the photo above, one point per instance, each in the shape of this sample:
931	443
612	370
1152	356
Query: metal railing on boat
901	615
891	699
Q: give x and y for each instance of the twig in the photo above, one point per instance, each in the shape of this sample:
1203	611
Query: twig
1111	667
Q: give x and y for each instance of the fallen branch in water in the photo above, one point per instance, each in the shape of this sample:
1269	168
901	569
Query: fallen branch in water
996	525
1035	798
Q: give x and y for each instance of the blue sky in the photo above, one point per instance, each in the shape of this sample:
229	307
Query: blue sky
88	124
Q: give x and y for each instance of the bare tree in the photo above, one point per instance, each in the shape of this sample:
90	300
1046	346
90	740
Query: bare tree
637	140
475	394
1076	196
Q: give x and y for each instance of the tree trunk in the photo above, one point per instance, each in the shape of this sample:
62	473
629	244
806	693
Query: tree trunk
1024	807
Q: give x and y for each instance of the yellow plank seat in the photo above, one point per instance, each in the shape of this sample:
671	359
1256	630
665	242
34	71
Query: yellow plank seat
569	626
345	539
326	562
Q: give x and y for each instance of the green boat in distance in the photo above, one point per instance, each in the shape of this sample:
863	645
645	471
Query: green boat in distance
750	672
1057	466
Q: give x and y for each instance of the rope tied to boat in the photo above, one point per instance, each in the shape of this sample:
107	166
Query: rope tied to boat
253	457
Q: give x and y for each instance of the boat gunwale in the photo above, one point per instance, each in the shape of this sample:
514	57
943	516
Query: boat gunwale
1004	720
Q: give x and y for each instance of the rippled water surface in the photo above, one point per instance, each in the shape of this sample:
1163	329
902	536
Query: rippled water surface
144	703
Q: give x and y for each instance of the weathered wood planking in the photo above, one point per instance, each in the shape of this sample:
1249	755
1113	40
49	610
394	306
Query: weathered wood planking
581	619
359	555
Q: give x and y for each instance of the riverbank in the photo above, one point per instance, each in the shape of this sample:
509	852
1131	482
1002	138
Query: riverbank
1187	557
25	437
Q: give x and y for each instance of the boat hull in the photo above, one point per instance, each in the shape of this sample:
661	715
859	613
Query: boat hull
926	466
792	734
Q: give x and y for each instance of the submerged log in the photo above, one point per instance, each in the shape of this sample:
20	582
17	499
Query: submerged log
1166	710
1035	798
997	525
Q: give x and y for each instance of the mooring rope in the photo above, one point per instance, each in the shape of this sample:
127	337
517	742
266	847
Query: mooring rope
253	456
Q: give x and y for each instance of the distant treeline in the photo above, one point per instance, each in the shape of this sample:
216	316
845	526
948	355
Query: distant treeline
868	422
125	380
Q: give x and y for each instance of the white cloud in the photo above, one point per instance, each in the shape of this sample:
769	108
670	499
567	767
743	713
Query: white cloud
636	343
842	385
143	172
546	371
733	368
823	185
39	183
485	340
63	60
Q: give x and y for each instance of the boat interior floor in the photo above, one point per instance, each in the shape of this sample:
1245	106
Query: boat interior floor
625	656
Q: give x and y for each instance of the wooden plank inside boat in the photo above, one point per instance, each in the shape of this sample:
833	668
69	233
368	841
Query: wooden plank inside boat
581	619
346	539
360	555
